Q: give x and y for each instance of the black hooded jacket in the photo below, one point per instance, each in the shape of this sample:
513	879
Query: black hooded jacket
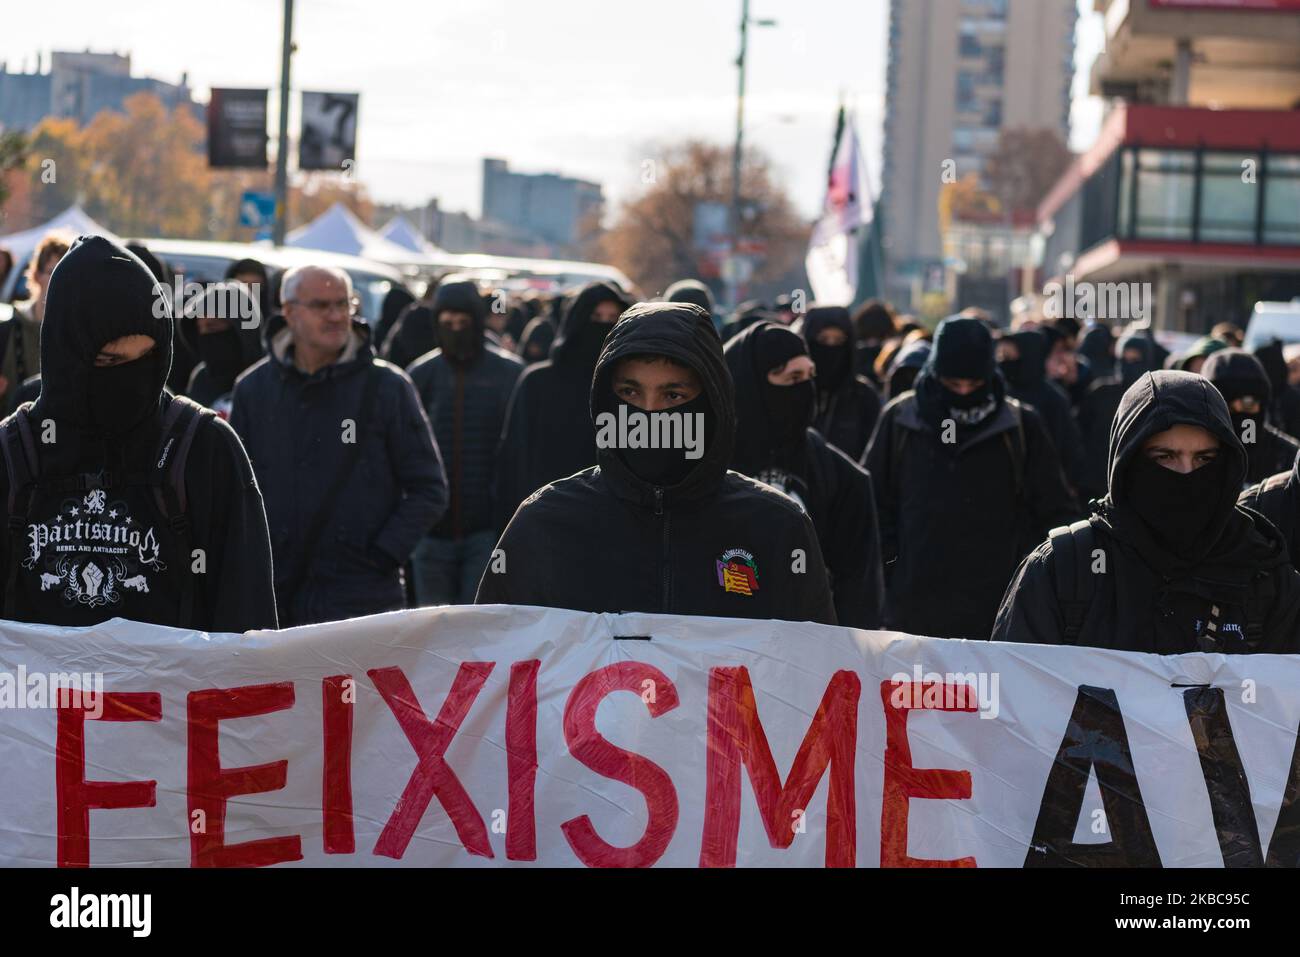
957	516
106	550
1146	597
1277	498
1027	382
717	543
835	490
1269	450
222	355
291	423
466	404
535	345
847	404
548	432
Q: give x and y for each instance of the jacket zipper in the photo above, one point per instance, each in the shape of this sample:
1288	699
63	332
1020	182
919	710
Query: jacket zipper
659	510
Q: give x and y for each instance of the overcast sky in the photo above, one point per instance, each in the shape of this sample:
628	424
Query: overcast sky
582	87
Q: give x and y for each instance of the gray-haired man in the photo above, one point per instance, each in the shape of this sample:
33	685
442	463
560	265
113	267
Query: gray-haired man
342	449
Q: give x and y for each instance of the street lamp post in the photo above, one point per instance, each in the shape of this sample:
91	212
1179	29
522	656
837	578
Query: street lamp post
733	281
282	150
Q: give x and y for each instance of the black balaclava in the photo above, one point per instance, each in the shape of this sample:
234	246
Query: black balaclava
773	419
227	353
1237	375
834	363
962	349
1130	371
100	292
906	366
665	467
1177	508
580	340
461	347
1030	368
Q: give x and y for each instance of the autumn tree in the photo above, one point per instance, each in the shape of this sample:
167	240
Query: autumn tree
148	172
56	167
1025	165
653	236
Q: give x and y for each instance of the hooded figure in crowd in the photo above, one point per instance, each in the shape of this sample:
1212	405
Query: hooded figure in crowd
1098	347
396	301
343	452
127	483
535	345
464	386
847	404
1277	498
1244	385
223	328
1185	568
1023	363
414	334
657	529
694	292
1066	368
1096	412
548	434
775	403
252	273
907	365
1285	410
873	325
1194	358
966	480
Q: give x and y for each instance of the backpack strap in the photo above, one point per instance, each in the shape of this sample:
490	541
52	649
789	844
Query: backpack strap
1072	548
167	478
20	465
1257	604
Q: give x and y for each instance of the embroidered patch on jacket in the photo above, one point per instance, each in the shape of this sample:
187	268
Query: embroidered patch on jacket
738	572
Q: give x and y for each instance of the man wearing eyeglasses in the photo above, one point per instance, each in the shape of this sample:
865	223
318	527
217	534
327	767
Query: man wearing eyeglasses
343	451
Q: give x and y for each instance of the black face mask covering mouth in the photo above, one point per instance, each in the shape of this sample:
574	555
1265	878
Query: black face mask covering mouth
588	343
789	412
1178	508
460	345
122	396
222	353
831	362
667	467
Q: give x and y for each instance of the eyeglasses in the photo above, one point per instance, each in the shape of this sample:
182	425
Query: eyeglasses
325	306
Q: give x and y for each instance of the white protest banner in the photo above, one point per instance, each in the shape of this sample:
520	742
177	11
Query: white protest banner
489	736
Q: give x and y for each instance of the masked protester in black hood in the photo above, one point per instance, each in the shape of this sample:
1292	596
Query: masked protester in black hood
1242	382
874	324
548	432
223	327
415	332
465	386
396	301
1285	411
694	292
1137	357
252	274
1098	347
775	402
536	343
123	501
966	480
847	404
1168	563
662	529
1277	498
1023	362
907	365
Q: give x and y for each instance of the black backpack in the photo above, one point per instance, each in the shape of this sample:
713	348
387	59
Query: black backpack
1075	584
166	478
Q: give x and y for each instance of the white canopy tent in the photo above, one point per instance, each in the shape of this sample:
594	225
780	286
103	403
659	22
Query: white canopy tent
399	230
338	230
72	220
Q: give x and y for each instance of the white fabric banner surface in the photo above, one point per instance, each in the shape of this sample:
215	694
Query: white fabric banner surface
491	735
